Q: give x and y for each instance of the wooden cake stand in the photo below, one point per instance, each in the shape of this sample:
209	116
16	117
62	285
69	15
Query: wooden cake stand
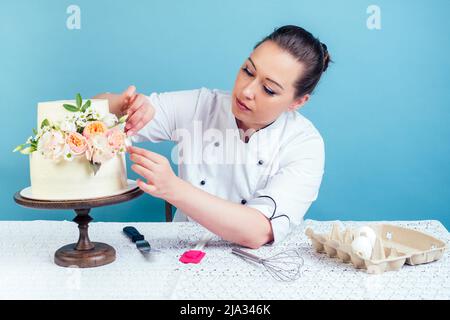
84	253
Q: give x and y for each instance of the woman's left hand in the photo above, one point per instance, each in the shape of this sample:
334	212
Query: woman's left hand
156	169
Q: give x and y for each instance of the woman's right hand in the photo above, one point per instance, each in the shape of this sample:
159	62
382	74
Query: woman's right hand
138	108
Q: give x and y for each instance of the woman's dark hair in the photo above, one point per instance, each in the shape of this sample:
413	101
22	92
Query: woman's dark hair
307	49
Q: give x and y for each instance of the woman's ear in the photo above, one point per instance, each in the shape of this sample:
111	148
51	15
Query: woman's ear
299	102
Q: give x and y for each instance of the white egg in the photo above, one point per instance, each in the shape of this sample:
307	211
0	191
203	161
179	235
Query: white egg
366	232
362	246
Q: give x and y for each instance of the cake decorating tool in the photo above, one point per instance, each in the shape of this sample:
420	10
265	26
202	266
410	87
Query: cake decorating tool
196	255
138	238
284	266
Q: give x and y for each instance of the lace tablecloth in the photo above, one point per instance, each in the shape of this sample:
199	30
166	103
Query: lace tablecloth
27	270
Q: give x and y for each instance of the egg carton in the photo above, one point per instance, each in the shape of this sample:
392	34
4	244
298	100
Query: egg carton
393	247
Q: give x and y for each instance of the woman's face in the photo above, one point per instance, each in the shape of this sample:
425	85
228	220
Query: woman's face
265	85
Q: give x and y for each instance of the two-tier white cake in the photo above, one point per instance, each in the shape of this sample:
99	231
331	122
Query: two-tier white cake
75	179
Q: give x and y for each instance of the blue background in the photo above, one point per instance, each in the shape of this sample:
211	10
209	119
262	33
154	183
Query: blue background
383	107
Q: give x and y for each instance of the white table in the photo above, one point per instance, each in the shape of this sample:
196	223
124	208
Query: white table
27	270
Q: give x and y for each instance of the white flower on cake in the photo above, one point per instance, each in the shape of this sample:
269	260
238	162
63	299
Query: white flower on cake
110	120
94	113
81	122
98	113
51	145
98	149
68	125
86	131
68	155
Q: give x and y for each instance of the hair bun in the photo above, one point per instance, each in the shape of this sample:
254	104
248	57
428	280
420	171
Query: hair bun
326	56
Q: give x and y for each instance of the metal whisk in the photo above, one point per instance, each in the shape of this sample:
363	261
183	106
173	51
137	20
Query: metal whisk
284	266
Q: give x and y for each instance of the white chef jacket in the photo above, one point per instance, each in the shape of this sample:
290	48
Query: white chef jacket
278	172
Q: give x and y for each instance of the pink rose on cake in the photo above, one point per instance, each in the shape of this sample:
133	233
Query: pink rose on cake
94	128
116	139
77	143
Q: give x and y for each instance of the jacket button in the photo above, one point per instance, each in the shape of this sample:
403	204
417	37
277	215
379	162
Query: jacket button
260	162
243	201
217	144
202	182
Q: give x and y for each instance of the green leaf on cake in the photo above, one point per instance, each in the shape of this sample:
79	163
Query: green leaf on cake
27	150
45	123
79	105
35	131
79	101
70	107
20	147
86	105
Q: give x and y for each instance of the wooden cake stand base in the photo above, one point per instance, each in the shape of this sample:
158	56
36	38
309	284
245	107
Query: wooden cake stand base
84	253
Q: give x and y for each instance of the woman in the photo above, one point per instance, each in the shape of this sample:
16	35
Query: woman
250	164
